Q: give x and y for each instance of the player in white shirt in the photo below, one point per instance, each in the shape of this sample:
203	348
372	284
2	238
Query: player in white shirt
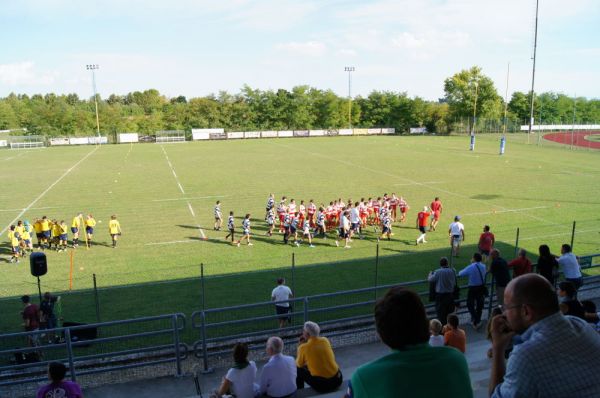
355	223
246	232
280	295
218	216
321	227
456	231
270	205
270	221
306	233
230	227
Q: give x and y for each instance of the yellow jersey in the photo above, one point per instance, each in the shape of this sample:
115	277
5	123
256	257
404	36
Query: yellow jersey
14	239
45	225
114	227
26	235
90	222
20	229
37	227
76	222
63	229
55	229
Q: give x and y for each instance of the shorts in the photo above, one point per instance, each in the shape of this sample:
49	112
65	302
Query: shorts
456	239
484	252
218	218
281	310
292	230
270	222
354	226
403	209
246	232
231	230
423	229
74	230
114	236
386	230
343	233
15	249
89	230
436	215
62	236
27	242
39	235
46	234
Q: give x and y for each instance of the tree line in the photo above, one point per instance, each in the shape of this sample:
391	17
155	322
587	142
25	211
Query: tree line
302	107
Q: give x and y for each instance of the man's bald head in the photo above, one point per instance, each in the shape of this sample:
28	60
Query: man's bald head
535	291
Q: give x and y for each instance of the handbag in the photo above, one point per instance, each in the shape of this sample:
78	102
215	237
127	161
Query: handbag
486	292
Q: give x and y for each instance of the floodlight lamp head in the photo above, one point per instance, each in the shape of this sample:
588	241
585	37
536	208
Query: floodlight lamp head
349	69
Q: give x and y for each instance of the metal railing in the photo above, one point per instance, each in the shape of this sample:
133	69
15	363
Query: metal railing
94	348
338	313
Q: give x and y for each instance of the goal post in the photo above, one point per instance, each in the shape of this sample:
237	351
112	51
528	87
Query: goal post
169	136
26	142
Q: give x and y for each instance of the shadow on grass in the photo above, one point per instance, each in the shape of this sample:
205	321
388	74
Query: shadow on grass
228	289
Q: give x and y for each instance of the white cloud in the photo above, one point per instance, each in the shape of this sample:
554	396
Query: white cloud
25	73
346	52
407	40
309	48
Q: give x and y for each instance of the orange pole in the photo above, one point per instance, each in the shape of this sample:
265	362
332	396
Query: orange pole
71	271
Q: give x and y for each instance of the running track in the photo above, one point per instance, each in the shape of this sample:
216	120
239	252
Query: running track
578	138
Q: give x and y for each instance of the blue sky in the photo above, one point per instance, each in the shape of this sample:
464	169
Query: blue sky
195	48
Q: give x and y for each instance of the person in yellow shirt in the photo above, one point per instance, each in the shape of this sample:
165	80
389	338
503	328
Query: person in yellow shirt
75	226
13	237
55	227
26	236
316	362
37	227
90	223
63	229
114	229
45	225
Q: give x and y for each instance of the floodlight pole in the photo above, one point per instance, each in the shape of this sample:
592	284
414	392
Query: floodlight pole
506	99
349	69
573	125
93	68
537	3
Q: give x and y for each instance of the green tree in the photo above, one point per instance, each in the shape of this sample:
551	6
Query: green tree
464	87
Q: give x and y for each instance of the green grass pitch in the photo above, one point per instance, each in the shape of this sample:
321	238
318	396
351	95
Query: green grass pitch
541	190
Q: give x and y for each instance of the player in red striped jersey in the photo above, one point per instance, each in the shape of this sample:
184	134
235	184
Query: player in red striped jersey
436	212
311	210
404	207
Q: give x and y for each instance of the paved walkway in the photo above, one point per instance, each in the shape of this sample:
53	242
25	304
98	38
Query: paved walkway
349	359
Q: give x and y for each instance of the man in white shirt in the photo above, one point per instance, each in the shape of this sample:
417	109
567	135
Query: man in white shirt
457	235
278	378
570	266
280	295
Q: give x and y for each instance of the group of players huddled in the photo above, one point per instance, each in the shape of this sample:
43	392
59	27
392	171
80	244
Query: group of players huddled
53	234
299	221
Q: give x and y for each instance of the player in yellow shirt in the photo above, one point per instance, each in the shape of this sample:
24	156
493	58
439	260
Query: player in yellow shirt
75	226
45	225
55	227
13	237
27	239
62	237
37	227
114	229
90	223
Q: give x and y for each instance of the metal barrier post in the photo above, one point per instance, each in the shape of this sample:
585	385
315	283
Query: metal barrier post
305	309
70	354
97	302
204	352
203	303
294	274
517	243
376	268
176	341
492	294
573	235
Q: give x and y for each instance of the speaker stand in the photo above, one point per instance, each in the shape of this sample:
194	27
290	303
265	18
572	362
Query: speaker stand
39	289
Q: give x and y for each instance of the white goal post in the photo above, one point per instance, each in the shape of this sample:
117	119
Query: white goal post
27	142
167	136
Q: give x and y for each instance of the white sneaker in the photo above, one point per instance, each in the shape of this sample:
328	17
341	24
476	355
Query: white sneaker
250	244
311	246
424	241
337	244
238	244
297	244
347	247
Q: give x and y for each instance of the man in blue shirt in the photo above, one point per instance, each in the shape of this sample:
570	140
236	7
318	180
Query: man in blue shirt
554	355
476	294
278	378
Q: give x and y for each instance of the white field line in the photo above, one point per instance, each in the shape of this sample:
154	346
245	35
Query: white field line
14	157
507	210
190	198
411	183
49	188
183	193
32	208
423	184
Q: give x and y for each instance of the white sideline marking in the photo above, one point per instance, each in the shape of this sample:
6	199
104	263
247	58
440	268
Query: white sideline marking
412	183
183	192
423	184
190	198
49	188
32	208
14	157
507	210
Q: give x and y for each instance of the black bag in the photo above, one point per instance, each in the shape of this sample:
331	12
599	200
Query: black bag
486	292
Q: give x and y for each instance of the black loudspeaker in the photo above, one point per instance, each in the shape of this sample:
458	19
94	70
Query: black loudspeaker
38	264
